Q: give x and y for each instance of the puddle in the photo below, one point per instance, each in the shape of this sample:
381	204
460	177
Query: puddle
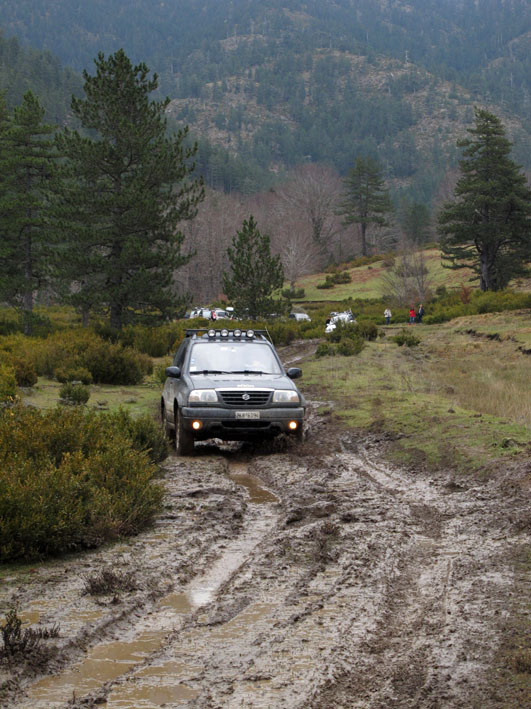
254	486
167	682
152	696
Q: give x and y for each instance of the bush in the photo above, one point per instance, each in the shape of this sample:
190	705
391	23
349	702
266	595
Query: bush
75	394
293	293
114	364
69	480
145	434
366	330
349	346
325	350
334	279
25	373
74	374
8	384
74	350
406	338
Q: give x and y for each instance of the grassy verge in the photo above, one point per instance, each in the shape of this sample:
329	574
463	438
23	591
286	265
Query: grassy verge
137	400
456	400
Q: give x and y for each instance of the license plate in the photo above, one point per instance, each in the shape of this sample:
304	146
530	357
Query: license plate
247	414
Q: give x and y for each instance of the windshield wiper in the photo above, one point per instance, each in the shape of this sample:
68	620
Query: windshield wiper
249	371
209	371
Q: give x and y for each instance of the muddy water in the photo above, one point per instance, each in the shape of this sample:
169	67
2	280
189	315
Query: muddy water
164	682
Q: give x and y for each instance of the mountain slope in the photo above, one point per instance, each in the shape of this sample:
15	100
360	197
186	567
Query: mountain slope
281	82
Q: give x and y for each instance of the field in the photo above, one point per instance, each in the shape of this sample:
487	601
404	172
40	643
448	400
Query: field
367	281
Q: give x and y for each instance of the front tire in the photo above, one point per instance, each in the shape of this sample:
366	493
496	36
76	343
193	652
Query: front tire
168	430
184	440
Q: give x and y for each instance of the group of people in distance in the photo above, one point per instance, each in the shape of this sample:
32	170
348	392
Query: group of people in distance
413	316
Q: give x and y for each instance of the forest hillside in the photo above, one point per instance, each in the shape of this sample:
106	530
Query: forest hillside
279	83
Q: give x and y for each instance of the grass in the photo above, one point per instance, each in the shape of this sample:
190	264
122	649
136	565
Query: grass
453	401
137	400
367	281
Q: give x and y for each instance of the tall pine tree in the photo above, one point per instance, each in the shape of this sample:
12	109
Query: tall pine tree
488	227
366	199
128	191
28	173
255	273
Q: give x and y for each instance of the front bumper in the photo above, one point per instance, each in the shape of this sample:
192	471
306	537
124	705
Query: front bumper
223	423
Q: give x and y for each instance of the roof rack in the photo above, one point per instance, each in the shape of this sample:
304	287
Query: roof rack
223	333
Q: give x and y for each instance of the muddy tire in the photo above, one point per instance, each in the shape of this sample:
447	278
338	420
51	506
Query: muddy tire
184	440
168	430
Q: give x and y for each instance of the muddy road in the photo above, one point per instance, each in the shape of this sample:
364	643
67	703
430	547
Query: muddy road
292	575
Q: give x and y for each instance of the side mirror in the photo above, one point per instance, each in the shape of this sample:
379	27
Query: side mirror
294	373
173	372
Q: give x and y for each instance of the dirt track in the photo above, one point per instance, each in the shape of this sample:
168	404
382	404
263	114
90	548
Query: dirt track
328	580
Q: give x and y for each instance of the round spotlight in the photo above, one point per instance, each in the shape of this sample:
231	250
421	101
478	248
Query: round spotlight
237	333
224	333
196	425
293	425
212	333
250	334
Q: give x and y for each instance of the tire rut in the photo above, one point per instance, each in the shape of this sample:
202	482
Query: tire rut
350	583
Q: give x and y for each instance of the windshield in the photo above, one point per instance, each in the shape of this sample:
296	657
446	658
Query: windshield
231	357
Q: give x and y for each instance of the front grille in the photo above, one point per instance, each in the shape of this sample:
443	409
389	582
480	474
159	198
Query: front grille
235	423
241	398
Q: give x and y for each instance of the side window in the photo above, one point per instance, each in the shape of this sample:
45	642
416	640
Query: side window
179	356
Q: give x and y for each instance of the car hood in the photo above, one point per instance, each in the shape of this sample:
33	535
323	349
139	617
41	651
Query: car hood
241	381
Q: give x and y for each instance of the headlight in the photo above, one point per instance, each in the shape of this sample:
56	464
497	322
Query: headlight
286	396
202	396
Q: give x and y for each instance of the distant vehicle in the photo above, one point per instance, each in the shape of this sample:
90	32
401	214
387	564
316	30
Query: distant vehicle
300	317
229	384
201	313
346	318
222	314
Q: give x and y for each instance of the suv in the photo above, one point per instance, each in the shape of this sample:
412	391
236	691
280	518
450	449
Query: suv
300	317
229	384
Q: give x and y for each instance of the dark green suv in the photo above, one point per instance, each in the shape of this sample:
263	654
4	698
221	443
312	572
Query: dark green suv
229	384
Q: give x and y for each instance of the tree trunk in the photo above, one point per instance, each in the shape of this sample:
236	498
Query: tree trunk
363	232
28	295
116	316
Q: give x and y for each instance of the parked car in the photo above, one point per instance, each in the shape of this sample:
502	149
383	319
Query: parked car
300	317
201	313
346	317
229	384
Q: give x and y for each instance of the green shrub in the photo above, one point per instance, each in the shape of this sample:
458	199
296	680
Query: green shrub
406	338
25	373
349	346
8	383
74	374
325	350
71	393
366	330
335	278
114	364
146	434
69	480
293	293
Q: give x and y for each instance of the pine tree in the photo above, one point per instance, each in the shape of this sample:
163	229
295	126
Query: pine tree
255	273
128	191
488	227
366	199
28	173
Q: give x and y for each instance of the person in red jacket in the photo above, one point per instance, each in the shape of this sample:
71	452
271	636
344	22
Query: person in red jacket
411	316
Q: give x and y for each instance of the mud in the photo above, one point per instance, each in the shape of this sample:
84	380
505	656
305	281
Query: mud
293	575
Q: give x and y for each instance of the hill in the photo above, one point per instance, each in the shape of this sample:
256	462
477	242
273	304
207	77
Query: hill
368	281
282	82
24	69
